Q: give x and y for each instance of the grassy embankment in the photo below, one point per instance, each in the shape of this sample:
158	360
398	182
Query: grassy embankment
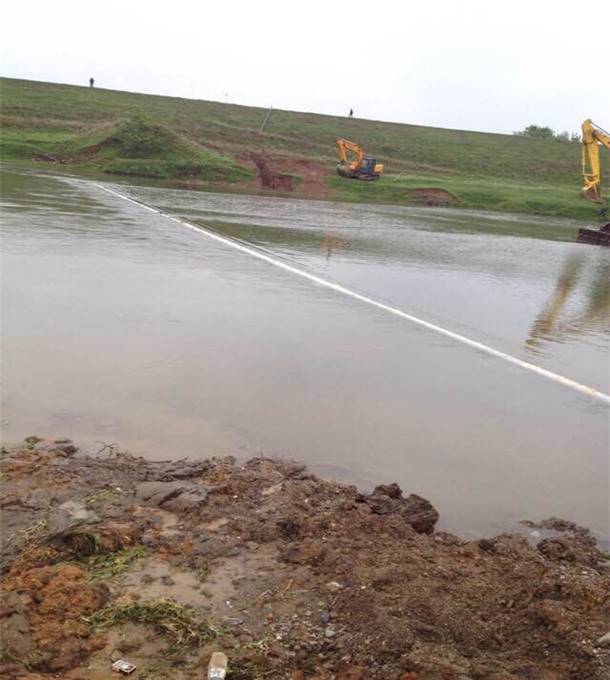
94	131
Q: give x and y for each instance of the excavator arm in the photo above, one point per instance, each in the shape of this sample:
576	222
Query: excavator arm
344	145
592	137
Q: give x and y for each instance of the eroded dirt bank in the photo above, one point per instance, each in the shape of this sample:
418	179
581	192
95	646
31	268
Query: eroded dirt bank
294	577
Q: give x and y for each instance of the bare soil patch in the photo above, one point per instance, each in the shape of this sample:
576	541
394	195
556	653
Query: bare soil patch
294	176
432	196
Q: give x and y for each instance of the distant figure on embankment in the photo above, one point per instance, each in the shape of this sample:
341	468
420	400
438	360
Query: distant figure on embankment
351	113
91	82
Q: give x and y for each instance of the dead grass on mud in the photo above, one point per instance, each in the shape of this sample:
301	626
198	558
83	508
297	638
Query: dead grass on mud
179	624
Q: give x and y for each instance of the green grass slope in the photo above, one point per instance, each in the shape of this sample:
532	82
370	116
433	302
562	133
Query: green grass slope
111	131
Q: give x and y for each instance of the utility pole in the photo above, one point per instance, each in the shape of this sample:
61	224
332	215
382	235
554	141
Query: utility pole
266	118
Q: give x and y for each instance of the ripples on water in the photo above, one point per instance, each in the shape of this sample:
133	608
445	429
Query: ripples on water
123	326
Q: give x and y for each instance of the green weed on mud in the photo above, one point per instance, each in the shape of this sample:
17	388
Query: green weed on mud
182	626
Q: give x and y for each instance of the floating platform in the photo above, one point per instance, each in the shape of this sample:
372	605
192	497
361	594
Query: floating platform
596	237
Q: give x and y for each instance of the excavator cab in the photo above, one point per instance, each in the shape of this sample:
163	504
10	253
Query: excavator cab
367	167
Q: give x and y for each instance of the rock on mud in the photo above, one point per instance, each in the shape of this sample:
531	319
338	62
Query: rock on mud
387	499
69	515
420	514
14	626
174	496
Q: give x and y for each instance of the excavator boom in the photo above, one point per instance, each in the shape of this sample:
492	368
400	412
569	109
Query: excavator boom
592	137
344	145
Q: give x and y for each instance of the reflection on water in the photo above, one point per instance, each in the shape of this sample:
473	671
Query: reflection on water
592	313
120	325
330	242
470	272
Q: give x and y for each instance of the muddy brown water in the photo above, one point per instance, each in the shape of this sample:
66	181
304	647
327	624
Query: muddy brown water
122	326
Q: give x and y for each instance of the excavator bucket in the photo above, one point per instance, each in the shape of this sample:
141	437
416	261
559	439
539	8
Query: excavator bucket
591	193
343	170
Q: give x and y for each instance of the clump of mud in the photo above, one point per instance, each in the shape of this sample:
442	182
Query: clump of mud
162	563
432	197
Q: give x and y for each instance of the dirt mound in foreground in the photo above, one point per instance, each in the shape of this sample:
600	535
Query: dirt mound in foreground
292	576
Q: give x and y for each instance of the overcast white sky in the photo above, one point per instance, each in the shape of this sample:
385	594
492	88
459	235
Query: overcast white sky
470	64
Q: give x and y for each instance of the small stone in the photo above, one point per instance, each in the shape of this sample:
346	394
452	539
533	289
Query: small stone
604	640
420	514
189	499
43	446
174	496
391	490
271	489
66	449
333	586
15	633
69	515
149	538
324	617
157	493
11	603
329	632
232	621
167	580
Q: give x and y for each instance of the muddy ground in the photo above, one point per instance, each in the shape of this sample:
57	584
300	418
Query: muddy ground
308	177
161	563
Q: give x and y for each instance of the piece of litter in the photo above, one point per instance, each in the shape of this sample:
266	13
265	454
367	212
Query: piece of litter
604	640
333	586
124	667
217	668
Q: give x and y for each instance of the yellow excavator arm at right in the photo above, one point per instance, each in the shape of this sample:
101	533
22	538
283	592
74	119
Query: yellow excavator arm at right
592	137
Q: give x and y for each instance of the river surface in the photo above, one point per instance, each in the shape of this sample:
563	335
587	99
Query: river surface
122	326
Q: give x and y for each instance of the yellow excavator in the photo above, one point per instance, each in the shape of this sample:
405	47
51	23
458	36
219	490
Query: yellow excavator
361	167
592	137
